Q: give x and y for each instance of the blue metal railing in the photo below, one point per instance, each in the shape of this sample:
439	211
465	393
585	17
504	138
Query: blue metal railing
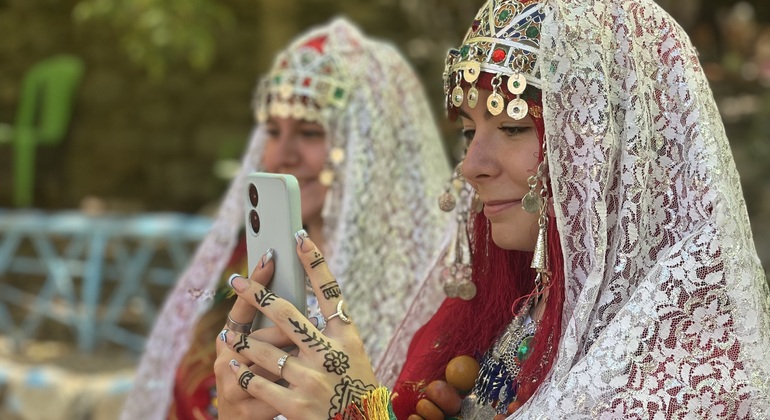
90	273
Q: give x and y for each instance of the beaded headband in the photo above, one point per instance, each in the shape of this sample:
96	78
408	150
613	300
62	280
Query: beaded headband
305	83
504	41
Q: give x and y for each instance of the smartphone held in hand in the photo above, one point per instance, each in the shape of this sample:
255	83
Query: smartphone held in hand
273	215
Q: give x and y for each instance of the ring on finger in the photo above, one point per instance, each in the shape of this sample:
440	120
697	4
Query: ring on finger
281	364
237	326
320	322
339	314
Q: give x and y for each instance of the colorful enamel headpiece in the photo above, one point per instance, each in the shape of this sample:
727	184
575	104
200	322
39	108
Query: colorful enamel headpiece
306	82
504	42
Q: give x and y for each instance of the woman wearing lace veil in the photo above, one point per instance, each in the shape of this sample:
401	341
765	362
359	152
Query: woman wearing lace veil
615	268
385	166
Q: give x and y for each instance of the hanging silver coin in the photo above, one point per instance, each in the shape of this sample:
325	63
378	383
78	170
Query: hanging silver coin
495	103
446	202
532	202
517	83
517	109
473	97
472	71
466	290
457	96
450	289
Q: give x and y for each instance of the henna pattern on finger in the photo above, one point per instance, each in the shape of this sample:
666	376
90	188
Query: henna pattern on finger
331	290
264	297
242	344
347	392
336	362
245	378
313	338
318	259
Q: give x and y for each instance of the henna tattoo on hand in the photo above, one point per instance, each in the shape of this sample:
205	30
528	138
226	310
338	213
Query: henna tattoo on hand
314	338
347	392
242	344
245	378
265	297
331	290
337	362
318	260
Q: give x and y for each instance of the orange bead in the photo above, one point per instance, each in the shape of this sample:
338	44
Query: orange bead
428	410
498	417
512	407
444	396
415	417
461	373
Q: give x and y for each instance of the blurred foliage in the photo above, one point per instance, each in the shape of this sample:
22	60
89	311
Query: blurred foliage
157	33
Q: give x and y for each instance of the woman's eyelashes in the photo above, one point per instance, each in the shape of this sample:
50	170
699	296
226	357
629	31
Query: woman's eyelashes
515	130
510	131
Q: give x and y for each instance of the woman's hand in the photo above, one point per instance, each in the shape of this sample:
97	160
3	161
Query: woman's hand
233	401
330	370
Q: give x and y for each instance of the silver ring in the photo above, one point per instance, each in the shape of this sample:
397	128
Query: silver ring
237	326
281	364
340	313
320	322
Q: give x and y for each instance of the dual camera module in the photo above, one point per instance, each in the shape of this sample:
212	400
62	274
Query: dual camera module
253	215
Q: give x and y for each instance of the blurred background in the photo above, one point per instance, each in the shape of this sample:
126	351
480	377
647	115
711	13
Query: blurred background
146	110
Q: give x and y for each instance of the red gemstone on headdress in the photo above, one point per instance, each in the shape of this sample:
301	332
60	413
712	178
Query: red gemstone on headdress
498	55
306	82
475	25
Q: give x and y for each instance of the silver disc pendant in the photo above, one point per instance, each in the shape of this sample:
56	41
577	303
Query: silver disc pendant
450	289
532	203
446	202
466	290
495	103
457	96
472	71
517	83
517	109
473	97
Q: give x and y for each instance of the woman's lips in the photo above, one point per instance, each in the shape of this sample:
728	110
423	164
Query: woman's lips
493	208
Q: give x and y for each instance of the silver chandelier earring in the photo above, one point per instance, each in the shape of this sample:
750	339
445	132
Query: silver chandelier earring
457	273
536	202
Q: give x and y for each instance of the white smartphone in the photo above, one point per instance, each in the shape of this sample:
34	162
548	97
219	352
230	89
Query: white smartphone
273	215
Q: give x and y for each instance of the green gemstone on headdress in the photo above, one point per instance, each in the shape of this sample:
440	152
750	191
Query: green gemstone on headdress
532	32
277	79
505	14
516	84
464	51
339	93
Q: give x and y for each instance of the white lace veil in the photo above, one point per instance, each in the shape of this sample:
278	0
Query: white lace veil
667	311
381	220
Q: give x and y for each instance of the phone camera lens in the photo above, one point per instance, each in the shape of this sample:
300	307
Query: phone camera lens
253	195
254	218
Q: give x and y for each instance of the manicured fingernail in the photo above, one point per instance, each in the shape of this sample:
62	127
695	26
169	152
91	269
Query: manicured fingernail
234	365
266	257
305	244
223	335
238	283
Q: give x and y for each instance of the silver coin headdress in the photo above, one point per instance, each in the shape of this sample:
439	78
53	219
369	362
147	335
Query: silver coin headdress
503	42
305	83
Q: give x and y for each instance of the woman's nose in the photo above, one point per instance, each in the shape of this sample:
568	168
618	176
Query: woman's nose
479	160
288	150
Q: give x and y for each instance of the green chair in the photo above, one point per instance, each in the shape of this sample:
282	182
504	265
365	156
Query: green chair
43	117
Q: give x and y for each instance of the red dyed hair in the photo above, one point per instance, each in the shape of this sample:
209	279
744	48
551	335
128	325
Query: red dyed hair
502	277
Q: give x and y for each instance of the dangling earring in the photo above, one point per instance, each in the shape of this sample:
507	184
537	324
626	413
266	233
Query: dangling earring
537	203
457	273
335	159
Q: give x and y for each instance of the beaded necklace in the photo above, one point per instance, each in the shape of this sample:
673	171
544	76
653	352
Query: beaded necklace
497	381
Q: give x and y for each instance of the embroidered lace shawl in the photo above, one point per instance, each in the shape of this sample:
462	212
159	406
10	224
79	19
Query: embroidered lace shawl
667	311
